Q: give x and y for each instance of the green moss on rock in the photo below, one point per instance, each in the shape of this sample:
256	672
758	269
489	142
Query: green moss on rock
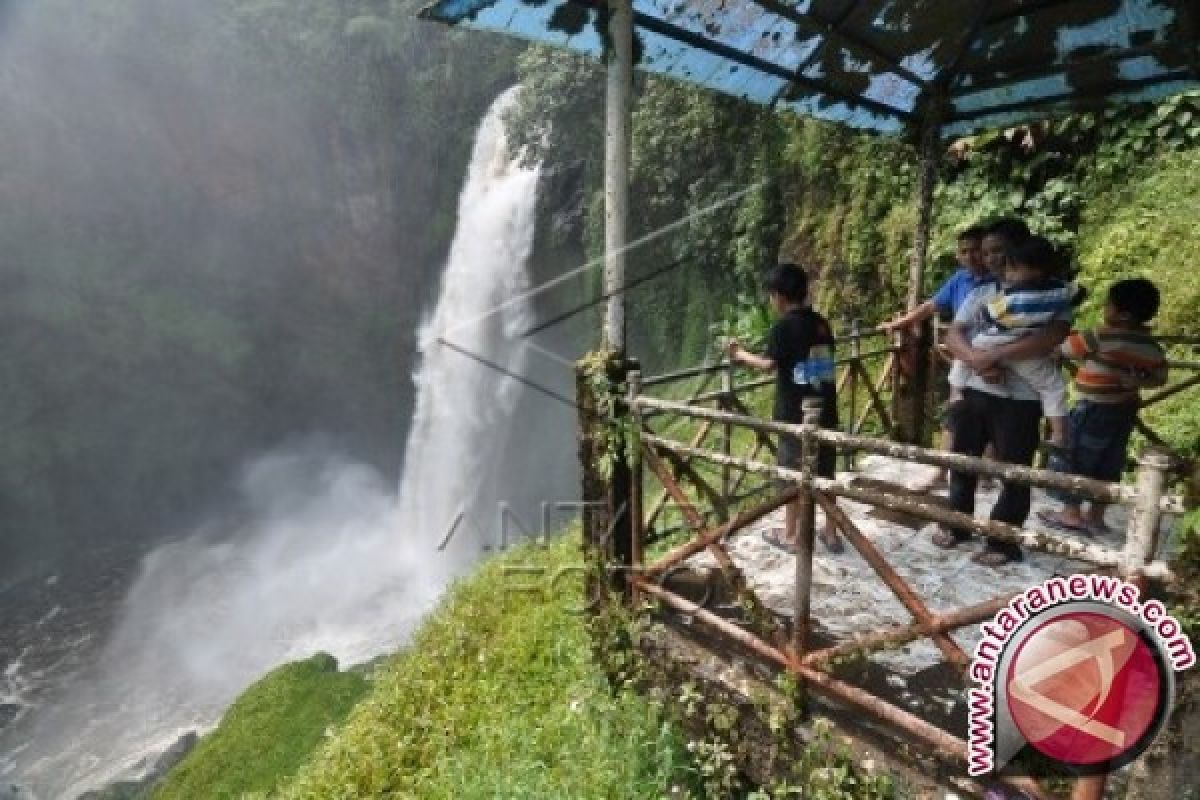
269	731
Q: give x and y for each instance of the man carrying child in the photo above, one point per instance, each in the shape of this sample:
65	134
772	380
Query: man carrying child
1031	298
999	406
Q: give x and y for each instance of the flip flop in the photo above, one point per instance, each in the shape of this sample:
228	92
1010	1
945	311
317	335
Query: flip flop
1052	520
945	540
832	542
774	536
993	558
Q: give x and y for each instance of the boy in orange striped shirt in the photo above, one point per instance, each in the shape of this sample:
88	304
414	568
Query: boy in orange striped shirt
1116	360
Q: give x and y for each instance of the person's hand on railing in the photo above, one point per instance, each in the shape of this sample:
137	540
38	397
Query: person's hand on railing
733	348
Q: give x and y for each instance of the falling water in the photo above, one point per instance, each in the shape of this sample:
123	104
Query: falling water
469	381
323	555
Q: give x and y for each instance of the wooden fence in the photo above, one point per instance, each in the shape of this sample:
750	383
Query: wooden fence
719	505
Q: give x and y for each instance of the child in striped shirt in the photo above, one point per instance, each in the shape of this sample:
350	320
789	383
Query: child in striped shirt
1031	299
1115	361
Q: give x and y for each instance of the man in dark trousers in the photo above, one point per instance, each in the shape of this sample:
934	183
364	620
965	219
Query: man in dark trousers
998	407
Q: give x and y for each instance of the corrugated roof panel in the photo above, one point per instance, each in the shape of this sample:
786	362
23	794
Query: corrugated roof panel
896	28
1009	118
884	64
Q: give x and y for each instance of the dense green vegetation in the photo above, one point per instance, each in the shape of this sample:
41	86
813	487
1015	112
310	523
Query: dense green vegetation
1116	188
498	696
272	728
221	233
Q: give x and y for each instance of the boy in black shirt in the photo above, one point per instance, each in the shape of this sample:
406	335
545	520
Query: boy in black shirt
800	352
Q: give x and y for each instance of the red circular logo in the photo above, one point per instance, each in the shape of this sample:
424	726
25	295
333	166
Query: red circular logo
1085	688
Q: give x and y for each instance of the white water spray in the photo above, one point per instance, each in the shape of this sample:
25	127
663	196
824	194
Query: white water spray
467	386
325	556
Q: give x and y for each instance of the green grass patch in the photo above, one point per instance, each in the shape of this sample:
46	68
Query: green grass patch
269	731
498	696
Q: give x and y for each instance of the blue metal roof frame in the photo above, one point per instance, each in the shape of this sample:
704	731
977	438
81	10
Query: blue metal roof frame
886	65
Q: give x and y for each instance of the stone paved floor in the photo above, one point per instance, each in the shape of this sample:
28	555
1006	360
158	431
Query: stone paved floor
848	596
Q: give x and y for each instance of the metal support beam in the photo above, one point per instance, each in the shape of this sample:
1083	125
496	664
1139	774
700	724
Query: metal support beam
619	87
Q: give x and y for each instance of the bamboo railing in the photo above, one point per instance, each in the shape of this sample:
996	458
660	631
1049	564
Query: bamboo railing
716	508
1190	378
866	380
709	491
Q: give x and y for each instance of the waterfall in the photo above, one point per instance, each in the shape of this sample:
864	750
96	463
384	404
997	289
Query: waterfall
467	386
323	555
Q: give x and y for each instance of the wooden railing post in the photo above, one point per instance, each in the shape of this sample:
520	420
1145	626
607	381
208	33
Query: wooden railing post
910	389
896	381
727	438
805	538
1141	545
604	415
633	444
1141	542
855	366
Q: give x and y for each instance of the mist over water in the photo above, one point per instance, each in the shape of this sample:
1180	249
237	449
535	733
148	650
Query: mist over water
320	553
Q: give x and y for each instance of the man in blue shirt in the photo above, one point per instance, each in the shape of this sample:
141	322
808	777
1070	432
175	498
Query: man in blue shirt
971	274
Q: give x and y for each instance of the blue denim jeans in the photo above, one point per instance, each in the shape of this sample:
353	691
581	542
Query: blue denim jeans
1097	438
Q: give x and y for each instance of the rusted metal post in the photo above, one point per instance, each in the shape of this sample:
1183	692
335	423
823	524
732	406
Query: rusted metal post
912	378
805	532
1141	542
926	179
895	384
621	481
911	385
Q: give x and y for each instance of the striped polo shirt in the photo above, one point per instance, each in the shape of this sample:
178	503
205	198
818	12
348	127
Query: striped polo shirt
1025	307
1115	363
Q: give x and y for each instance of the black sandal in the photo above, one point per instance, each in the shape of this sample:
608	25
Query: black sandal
832	542
993	558
774	536
945	540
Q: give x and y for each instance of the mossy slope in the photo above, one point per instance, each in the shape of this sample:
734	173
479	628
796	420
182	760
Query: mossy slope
268	732
499	697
